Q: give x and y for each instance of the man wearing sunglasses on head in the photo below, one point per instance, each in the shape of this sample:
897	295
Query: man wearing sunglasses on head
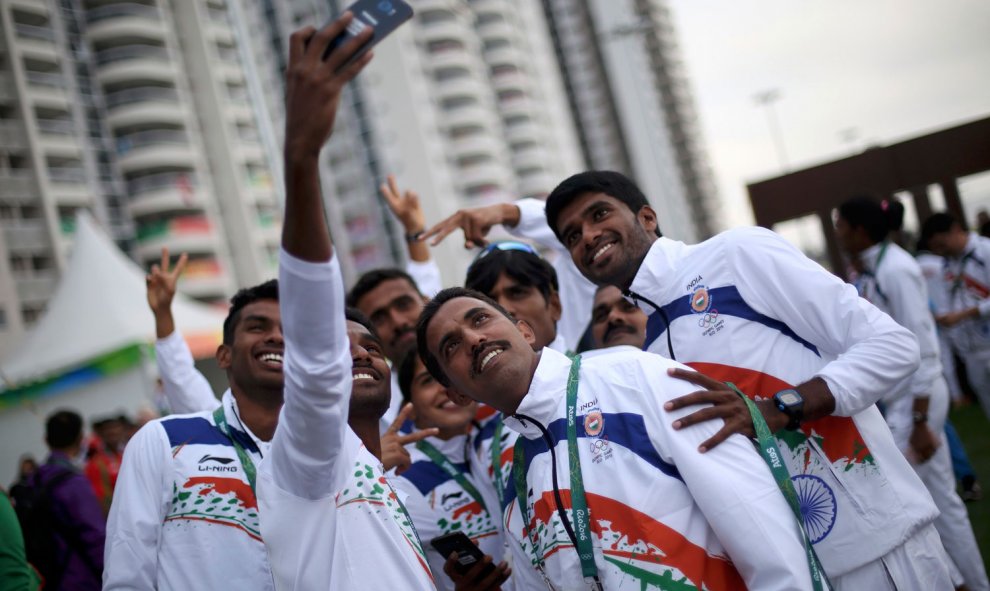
525	218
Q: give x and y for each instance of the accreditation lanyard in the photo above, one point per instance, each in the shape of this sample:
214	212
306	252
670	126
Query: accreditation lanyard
579	504
767	447
447	466
220	418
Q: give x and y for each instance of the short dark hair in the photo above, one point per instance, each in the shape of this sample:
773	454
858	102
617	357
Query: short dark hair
895	214
373	279
405	374
939	223
611	183
355	315
525	267
63	428
430	310
867	213
249	295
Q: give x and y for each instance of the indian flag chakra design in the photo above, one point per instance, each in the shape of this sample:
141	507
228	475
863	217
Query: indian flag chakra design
369	489
633	543
215	500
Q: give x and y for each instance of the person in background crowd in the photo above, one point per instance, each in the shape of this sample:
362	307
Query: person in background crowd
660	513
444	496
515	276
103	463
983	223
932	268
749	308
26	469
966	289
615	320
893	281
79	527
329	515
15	572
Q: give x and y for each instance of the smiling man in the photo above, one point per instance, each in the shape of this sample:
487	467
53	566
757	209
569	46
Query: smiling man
747	307
615	496
184	513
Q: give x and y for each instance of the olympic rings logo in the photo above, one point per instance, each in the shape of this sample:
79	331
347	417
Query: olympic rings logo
599	444
708	318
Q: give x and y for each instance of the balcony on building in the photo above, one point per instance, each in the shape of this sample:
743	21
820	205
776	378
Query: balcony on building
12	134
445	30
46	85
68	182
58	135
204	278
17	184
503	53
466	85
143	104
35	38
475	144
269	227
494	26
469	114
475	176
160	193
120	19
134	59
36	286
520	130
192	234
154	148
25	236
537	183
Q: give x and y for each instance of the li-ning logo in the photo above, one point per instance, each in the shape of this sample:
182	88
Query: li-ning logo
223	467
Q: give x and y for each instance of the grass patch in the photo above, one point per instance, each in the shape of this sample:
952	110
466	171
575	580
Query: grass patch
974	430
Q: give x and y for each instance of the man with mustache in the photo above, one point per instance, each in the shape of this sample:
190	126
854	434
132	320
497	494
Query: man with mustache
747	307
604	494
615	320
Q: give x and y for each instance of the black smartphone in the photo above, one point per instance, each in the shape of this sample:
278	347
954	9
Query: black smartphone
384	15
468	553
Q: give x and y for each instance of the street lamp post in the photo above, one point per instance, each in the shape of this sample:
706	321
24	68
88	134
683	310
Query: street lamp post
767	98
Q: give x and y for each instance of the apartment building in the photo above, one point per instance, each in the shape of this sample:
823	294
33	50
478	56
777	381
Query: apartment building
138	111
632	105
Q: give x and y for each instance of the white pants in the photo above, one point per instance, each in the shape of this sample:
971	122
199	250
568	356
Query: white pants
919	564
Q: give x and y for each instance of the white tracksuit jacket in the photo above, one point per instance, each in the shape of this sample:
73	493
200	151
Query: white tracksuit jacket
439	505
661	514
967	284
747	307
183	513
329	516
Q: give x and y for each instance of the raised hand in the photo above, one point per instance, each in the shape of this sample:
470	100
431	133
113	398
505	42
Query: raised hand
405	206
161	283
394	452
476	223
313	90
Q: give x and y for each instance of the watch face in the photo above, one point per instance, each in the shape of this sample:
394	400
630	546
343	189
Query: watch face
789	398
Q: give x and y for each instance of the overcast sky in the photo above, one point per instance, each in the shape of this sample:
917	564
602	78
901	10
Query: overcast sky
891	69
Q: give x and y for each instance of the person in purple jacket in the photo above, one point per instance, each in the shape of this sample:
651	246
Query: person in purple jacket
78	522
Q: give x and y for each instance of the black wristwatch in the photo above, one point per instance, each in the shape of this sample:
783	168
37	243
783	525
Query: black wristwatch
791	404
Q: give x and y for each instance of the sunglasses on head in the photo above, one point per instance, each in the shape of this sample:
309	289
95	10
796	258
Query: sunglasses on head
504	245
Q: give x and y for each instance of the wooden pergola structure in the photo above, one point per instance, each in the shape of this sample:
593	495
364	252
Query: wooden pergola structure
913	165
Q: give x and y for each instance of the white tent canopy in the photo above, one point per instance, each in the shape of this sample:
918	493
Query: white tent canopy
98	307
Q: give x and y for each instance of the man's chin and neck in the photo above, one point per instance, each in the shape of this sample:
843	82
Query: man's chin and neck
267	396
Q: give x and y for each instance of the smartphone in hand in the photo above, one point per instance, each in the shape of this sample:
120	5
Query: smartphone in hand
468	553
384	16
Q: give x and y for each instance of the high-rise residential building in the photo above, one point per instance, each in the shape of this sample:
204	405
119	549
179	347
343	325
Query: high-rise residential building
633	107
473	109
137	110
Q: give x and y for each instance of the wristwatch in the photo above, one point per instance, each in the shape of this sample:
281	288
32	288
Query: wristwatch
791	404
919	417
